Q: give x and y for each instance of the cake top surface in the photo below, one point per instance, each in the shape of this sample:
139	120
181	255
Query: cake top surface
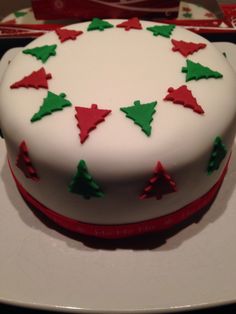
118	71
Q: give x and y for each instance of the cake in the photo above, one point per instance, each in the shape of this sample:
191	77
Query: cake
116	128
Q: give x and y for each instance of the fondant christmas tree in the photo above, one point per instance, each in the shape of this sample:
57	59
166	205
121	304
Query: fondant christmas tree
187	15
186	48
13	21
36	80
218	153
66	34
162	30
196	71
19	13
98	24
141	114
42	53
83	183
24	163
183	96
186	9
132	23
88	119
160	183
210	15
50	104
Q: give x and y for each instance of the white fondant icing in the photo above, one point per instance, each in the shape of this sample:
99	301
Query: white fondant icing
113	68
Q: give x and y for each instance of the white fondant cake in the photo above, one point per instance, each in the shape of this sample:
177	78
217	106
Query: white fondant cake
115	69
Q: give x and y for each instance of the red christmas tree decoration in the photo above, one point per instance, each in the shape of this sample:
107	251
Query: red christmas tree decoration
186	9
37	79
88	119
210	15
13	21
24	163
66	34
131	23
183	96
160	183
186	48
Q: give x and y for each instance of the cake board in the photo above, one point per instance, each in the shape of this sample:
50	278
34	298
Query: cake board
43	269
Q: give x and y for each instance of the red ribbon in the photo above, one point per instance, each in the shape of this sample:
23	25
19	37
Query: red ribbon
124	230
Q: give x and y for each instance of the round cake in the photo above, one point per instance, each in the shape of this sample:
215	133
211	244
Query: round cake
115	128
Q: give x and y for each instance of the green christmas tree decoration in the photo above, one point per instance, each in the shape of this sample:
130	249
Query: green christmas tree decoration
50	104
196	71
83	183
98	24
42	53
162	30
141	114
188	15
19	13
218	153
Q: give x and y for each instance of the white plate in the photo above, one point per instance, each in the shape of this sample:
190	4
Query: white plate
41	268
